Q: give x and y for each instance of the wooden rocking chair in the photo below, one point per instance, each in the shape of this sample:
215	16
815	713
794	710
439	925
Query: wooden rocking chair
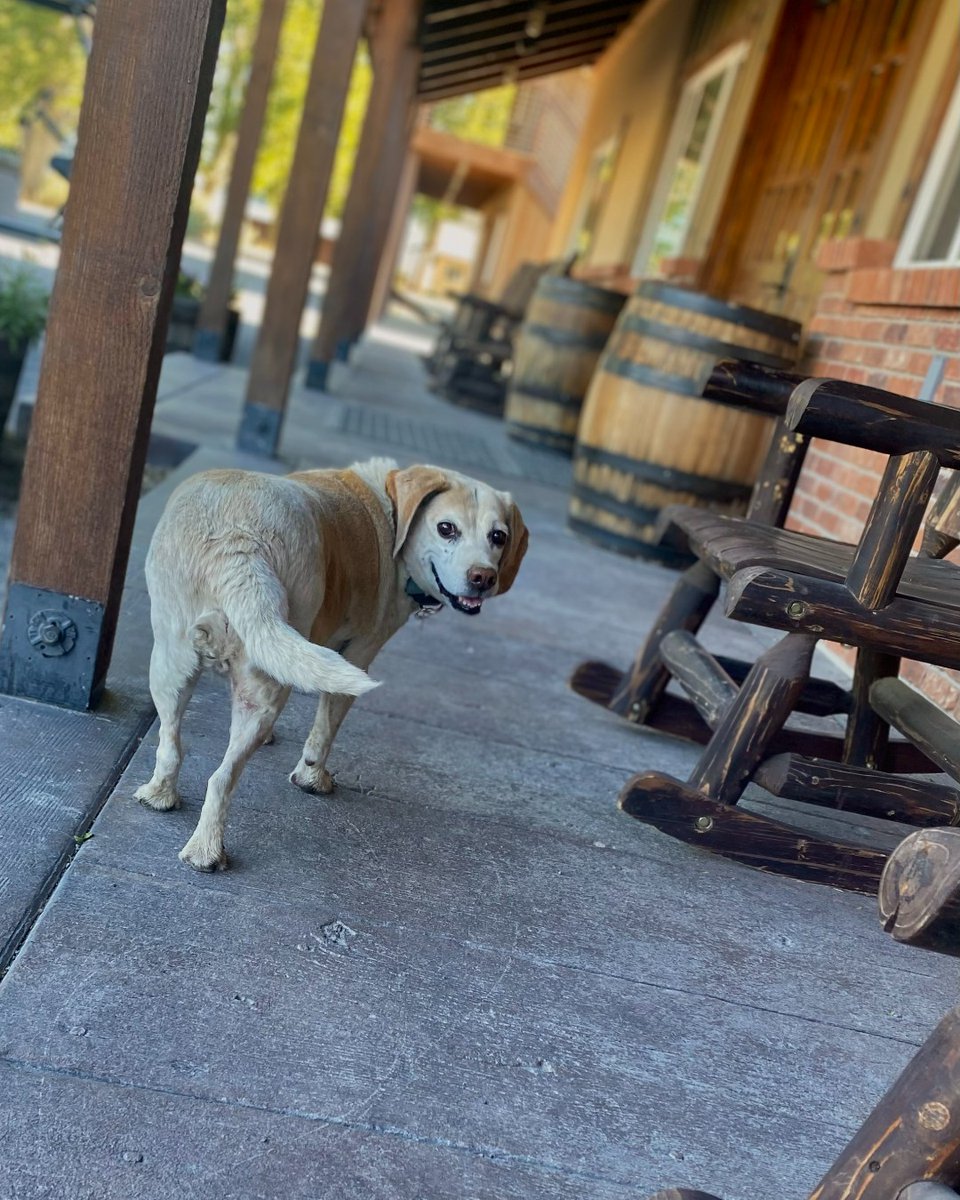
639	695
873	596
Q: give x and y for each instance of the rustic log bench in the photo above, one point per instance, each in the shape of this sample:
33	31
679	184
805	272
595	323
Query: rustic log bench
873	596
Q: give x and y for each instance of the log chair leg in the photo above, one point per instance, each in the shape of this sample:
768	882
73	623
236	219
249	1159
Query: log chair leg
868	736
687	608
703	812
914	1132
766	699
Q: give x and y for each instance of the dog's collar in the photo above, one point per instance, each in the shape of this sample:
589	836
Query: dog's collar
424	602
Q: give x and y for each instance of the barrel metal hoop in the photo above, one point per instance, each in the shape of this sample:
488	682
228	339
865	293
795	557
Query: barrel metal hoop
642	514
536	392
678	335
738	314
663	381
635	547
561	442
563	290
566	337
723	491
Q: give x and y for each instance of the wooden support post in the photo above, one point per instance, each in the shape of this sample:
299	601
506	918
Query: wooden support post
398	223
274	356
147	89
777	481
208	342
373	189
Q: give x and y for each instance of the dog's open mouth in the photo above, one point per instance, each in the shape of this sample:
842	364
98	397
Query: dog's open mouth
464	604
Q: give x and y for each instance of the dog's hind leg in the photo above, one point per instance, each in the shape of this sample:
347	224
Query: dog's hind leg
310	773
256	703
174	670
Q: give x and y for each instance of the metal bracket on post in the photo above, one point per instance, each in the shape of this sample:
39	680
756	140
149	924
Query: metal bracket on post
259	431
49	647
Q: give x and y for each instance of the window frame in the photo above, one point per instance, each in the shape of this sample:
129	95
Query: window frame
948	140
727	63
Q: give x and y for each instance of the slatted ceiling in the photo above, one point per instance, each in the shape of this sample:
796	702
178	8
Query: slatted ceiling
483	43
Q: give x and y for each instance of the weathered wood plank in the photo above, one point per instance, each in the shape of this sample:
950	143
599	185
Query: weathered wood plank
122	236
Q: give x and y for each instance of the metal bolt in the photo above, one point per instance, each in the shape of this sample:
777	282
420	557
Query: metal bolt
50	633
796	608
703	824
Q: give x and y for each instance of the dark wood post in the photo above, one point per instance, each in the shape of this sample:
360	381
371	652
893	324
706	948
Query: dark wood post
275	353
148	85
376	178
212	323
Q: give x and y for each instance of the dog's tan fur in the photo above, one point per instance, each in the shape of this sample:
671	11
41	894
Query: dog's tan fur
297	582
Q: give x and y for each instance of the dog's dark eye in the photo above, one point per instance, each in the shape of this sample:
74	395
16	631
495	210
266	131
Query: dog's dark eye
447	529
498	537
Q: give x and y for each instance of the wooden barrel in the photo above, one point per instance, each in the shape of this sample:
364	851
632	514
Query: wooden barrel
564	331
647	439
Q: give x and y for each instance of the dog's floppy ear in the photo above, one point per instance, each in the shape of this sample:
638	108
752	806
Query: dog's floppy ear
514	550
408	489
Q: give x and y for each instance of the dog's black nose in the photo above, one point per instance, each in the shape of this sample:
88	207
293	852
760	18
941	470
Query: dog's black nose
482	578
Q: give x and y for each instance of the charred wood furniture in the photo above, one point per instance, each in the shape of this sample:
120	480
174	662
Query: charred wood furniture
873	596
640	694
470	364
909	1146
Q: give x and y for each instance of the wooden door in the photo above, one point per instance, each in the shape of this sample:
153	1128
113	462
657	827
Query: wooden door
815	172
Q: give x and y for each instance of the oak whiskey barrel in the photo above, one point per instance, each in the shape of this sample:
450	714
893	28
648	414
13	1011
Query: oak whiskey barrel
646	437
562	337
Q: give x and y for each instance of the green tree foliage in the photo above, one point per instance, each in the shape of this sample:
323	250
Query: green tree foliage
39	51
482	117
298	37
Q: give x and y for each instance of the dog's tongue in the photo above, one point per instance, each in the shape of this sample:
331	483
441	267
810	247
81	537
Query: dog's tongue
473	602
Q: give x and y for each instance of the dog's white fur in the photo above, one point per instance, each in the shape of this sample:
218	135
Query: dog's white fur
297	582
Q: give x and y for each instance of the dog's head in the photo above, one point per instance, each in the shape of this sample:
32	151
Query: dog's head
460	540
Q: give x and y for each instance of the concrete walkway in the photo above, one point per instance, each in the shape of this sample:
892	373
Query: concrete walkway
465	974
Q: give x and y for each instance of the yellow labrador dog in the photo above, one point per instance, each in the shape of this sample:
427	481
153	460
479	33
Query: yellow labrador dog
297	582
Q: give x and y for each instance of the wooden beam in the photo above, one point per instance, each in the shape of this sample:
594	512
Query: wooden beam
274	356
373	189
398	223
457	72
147	88
212	322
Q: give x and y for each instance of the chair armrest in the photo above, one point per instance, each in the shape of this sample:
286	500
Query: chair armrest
472	301
748	385
873	419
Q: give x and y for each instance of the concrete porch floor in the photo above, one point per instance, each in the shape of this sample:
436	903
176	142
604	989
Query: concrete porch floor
465	974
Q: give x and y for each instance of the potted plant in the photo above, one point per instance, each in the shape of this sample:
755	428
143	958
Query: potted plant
185	312
23	314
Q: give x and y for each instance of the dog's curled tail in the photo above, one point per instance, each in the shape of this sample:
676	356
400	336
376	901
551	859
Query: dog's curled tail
254	603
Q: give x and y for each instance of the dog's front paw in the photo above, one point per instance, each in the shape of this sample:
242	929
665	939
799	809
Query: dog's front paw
316	780
204	856
159	796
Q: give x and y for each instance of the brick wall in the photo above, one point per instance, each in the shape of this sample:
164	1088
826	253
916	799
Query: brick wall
880	326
